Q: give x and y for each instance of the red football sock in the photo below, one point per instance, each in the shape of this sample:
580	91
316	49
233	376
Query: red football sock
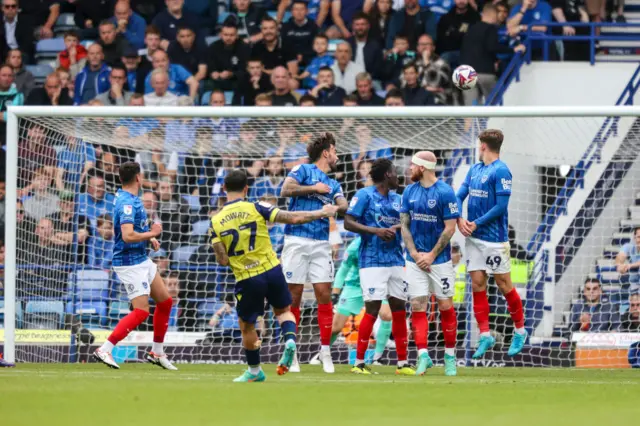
127	324
449	327
364	334
325	319
515	308
399	330
420	329
161	320
481	310
296	313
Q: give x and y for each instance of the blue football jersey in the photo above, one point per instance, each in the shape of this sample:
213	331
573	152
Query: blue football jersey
371	208
307	175
484	184
129	209
429	208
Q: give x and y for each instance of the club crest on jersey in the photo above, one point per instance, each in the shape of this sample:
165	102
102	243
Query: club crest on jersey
130	287
484	178
289	274
372	290
127	209
396	206
145	285
431	203
354	201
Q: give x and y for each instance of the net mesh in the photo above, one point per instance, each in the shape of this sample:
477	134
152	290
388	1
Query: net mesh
574	204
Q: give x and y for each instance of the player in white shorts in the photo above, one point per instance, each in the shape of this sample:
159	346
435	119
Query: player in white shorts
428	217
136	271
306	254
374	213
488	185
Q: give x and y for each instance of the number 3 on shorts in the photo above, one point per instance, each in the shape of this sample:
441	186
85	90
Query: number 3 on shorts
493	262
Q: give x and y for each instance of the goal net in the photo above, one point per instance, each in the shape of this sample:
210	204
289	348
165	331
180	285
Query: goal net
574	207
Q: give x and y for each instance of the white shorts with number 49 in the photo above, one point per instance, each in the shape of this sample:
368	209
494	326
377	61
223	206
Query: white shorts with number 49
380	283
439	281
306	261
493	258
137	278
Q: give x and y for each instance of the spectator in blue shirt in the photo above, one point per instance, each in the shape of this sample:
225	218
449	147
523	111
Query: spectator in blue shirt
531	15
94	77
74	162
128	23
322	59
594	313
181	82
173	17
95	202
269	185
101	245
628	260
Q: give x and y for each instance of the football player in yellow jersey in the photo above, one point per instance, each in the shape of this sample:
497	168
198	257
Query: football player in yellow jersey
240	239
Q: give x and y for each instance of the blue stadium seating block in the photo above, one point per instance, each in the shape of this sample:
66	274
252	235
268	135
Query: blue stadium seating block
65	20
50	46
209	307
40	71
118	310
92	314
211	39
44	314
206	97
222	16
201	227
89	284
18	313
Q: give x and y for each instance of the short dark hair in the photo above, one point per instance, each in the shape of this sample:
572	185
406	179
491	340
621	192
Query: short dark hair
321	35
325	69
411	64
350	98
71	33
360	15
320	144
254	59
268	18
493	138
379	169
7	66
230	22
394	93
120	67
307	98
173	274
183	28
294	2
151	29
106	22
591	280
635	230
128	172
401	37
235	181
104	218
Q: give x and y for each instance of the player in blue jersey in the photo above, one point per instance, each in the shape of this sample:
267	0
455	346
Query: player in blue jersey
488	186
306	255
428	216
374	213
136	271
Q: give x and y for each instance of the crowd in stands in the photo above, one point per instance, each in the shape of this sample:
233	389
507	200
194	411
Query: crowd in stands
244	53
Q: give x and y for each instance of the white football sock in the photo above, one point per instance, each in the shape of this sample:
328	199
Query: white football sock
450	351
107	347
157	348
520	330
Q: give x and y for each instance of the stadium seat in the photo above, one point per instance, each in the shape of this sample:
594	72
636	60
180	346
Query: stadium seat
89	284
183	253
193	201
333	44
222	16
18	314
209	307
87	43
211	39
118	310
228	97
40	72
44	315
92	314
49	48
206	97
65	22
201	227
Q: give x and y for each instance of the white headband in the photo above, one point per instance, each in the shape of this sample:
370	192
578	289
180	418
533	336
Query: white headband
431	165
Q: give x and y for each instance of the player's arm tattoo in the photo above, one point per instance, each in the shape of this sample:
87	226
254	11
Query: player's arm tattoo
291	188
297	218
405	229
445	237
221	254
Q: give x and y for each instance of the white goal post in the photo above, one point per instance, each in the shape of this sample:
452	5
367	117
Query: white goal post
576	183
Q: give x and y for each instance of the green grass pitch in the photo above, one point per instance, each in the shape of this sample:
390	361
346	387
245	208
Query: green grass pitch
140	394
